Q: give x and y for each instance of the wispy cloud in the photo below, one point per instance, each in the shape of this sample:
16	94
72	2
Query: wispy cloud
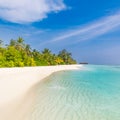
27	11
92	30
13	32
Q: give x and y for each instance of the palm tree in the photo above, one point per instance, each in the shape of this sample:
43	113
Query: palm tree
36	53
20	40
47	56
65	55
28	50
46	51
20	44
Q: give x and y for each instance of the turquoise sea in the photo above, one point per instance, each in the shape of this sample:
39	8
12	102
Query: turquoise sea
92	93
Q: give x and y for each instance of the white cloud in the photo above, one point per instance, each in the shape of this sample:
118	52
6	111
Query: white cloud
27	11
92	30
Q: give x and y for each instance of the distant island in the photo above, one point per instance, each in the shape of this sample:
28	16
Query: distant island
18	54
83	63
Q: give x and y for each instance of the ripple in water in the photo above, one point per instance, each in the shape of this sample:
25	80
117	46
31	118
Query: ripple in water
91	94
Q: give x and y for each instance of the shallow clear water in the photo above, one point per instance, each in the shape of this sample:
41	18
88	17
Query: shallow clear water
89	94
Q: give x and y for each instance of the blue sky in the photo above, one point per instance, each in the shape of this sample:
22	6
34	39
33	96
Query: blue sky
90	29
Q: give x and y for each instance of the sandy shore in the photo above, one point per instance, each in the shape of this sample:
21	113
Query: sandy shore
17	88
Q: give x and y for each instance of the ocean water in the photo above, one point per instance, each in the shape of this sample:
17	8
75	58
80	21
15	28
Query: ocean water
92	93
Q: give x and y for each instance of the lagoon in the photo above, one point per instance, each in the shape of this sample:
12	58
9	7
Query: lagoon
92	93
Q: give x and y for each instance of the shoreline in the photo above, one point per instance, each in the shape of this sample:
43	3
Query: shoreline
17	86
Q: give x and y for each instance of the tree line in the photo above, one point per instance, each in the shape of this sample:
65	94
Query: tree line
19	54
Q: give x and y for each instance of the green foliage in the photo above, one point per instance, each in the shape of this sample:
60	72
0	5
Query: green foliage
19	54
67	57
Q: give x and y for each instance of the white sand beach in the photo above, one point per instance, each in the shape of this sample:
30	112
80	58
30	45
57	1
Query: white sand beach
17	89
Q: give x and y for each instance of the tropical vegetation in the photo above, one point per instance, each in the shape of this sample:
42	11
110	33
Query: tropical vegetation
18	54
